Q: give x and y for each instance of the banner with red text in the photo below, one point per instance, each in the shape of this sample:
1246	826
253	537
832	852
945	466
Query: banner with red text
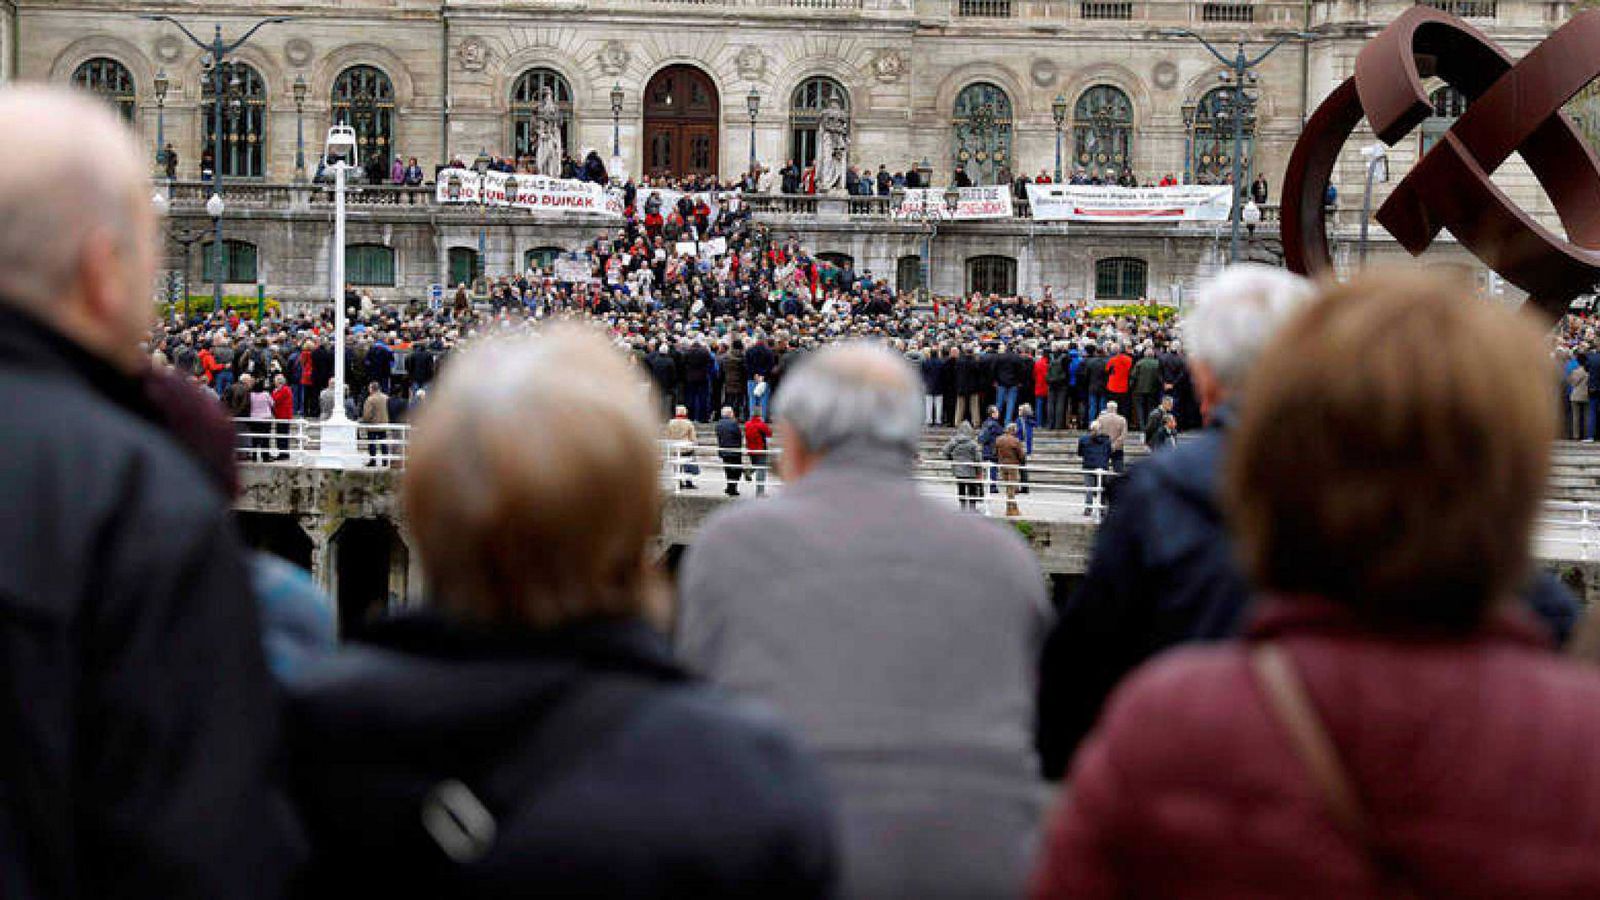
984	202
537	194
1088	203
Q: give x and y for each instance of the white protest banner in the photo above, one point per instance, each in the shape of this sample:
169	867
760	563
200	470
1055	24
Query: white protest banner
1088	203
573	268
685	248
986	202
714	247
456	186
537	194
922	203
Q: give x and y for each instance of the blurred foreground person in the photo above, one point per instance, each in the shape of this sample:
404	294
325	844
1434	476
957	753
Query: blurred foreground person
534	738
1164	570
899	635
136	714
1393	723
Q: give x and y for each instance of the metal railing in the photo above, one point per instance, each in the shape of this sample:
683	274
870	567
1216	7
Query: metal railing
1041	491
300	443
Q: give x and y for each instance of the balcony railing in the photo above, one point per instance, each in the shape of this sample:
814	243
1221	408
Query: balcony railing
984	9
1228	12
188	198
1466	9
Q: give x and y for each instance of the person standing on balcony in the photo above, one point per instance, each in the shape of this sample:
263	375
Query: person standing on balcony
375	411
282	412
1258	190
730	450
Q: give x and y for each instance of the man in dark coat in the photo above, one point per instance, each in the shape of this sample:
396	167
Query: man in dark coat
137	718
697	381
730	448
665	372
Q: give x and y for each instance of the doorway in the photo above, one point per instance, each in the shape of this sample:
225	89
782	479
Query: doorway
680	123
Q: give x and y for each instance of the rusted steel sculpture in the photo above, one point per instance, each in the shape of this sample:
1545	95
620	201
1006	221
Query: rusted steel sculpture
1511	106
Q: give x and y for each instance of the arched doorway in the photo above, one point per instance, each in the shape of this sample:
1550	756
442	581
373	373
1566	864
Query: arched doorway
680	123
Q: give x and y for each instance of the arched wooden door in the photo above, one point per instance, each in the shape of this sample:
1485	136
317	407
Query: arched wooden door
680	123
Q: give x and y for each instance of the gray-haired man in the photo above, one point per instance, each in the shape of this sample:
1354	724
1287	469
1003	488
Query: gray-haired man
898	635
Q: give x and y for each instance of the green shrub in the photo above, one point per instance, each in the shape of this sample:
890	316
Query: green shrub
1146	310
245	306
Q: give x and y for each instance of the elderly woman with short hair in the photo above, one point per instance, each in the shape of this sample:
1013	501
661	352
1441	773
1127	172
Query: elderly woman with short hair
534	737
1392	724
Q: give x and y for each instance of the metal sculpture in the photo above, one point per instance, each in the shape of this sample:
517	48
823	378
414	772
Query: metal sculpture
1514	107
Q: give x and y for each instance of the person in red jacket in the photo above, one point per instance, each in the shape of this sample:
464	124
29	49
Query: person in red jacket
1118	368
1041	387
756	435
282	410
1392	725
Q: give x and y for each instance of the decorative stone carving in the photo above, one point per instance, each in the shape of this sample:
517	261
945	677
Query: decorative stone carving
1165	74
297	51
1043	72
889	64
613	58
473	55
751	63
168	48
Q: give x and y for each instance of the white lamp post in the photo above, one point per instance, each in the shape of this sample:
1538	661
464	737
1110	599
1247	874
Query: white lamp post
1377	157
338	432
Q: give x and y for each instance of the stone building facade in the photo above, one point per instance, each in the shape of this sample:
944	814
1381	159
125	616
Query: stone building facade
996	85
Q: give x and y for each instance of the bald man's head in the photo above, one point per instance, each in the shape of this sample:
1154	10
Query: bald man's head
76	231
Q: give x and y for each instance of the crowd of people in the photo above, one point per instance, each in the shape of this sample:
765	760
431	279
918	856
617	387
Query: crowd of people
850	690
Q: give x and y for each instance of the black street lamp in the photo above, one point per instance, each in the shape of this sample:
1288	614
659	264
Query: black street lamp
752	102
1058	110
300	128
616	121
1239	75
481	166
161	85
219	50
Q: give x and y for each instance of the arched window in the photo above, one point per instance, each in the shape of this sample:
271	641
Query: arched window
112	81
363	98
992	275
369	265
541	257
805	110
1120	278
244	118
463	265
238	262
982	124
525	106
1448	105
1211	139
908	273
1102	132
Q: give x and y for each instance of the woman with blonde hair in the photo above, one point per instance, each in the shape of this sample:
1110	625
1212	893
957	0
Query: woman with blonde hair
533	735
1393	724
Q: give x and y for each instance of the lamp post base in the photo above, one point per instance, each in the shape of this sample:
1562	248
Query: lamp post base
338	446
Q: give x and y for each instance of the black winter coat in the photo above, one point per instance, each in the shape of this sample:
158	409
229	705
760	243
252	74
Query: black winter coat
137	712
607	770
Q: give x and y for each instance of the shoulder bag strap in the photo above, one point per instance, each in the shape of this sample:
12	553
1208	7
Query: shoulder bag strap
1289	703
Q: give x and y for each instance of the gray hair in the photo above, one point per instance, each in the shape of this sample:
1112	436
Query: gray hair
1238	313
854	394
73	143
